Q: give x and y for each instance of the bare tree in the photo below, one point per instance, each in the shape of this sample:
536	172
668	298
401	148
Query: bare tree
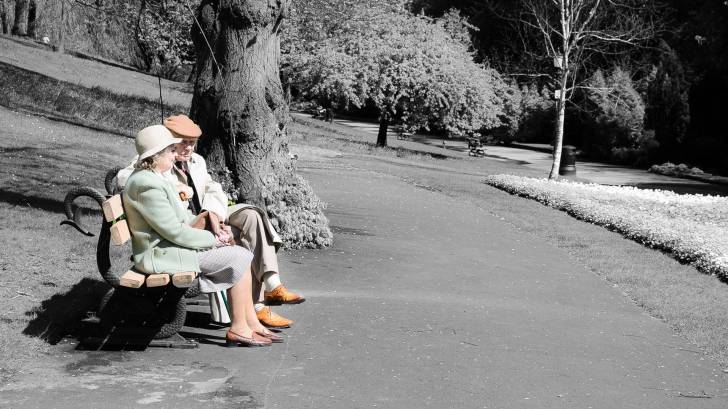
573	33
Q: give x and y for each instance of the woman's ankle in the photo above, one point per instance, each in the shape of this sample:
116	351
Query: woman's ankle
242	330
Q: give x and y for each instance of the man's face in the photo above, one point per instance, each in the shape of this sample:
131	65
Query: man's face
184	149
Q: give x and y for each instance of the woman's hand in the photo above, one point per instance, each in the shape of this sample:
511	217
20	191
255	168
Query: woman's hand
222	239
185	192
225	235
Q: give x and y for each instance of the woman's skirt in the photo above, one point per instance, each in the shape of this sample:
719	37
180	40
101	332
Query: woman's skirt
222	267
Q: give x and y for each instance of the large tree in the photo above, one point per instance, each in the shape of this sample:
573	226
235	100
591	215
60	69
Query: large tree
239	103
412	68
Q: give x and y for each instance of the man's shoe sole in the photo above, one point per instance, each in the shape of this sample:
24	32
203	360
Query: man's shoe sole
298	301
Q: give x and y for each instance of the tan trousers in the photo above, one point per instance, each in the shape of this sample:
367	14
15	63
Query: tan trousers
249	231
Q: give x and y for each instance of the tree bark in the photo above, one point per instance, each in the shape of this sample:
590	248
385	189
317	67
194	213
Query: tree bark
383	125
239	103
4	16
32	9
20	26
62	29
241	107
563	81
559	131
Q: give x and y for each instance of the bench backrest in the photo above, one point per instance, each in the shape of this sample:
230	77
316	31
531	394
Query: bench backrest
114	213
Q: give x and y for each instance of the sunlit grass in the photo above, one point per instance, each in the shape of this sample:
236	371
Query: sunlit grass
96	107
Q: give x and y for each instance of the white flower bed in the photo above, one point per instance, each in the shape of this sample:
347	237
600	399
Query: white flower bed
694	228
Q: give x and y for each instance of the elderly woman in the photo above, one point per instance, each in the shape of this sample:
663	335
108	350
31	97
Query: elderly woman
164	242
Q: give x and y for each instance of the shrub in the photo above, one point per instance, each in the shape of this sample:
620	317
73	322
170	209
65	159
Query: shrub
531	115
614	126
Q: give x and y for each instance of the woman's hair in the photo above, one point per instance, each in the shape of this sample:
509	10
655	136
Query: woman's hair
151	162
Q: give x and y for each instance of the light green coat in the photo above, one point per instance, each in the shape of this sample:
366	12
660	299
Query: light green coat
161	237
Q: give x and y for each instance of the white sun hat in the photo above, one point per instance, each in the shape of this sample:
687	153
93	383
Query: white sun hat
152	140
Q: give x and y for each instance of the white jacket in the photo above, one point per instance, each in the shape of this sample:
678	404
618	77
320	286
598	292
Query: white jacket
211	195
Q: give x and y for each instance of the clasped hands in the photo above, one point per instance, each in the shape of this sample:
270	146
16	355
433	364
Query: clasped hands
224	236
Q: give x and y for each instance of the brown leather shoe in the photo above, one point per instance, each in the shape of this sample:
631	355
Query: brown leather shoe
272	320
234	339
281	295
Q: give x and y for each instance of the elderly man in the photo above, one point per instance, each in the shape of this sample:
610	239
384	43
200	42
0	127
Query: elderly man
249	223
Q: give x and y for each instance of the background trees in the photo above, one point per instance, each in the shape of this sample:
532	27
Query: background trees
462	67
414	69
680	73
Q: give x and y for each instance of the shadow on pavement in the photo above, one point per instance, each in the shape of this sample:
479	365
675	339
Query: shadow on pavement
61	315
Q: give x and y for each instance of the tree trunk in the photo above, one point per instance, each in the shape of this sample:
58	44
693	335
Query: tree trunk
559	132
239	103
383	125
62	28
4	17
20	27
563	81
32	9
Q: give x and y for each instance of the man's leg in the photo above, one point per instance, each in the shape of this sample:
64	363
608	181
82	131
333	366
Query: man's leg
250	233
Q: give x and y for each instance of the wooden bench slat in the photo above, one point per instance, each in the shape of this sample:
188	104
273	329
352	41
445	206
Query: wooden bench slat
182	280
120	232
131	279
157	280
113	208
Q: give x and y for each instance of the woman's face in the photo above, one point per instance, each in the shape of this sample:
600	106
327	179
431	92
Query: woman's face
165	160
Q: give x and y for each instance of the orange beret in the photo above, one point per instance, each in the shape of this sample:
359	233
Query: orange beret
183	126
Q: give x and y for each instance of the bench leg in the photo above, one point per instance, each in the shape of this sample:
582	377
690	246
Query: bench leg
143	315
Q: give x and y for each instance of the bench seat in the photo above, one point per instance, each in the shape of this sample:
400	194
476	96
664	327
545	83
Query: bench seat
114	213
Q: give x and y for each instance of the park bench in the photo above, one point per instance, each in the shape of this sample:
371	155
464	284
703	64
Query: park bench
403	135
140	309
475	147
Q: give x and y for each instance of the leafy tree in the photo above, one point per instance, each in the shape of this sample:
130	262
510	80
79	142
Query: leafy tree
411	67
162	29
667	93
617	113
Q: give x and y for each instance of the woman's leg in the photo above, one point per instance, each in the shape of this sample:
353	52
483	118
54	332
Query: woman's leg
223	266
241	303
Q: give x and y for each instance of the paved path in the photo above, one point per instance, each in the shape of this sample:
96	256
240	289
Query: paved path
594	172
423	301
